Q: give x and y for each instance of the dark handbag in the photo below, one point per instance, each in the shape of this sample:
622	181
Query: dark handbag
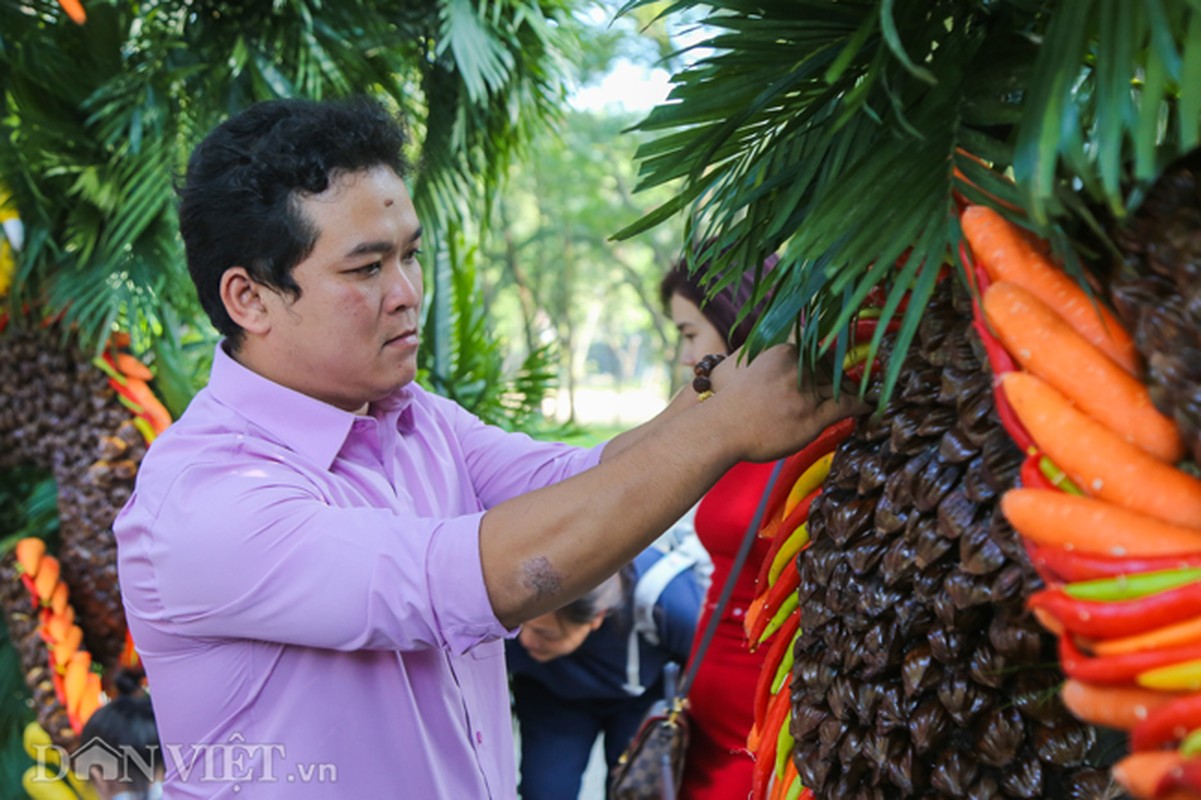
653	764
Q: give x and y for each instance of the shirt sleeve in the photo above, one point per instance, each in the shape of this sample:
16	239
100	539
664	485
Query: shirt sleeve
678	609
248	550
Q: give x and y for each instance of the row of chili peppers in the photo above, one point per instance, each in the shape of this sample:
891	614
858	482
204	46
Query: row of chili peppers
1111	523
774	615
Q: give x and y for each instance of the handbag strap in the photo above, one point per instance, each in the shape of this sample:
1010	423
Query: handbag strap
743	550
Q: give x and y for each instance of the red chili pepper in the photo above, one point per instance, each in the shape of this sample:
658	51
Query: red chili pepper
1032	477
765	754
32	588
999	359
1119	669
769	603
865	329
796	464
1185	778
1009	420
1057	565
1167	724
798	517
1043	565
784	640
1098	619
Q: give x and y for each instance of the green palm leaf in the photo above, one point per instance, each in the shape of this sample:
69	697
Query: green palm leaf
836	135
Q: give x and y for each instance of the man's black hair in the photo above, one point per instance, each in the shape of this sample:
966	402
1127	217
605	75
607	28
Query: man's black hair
238	203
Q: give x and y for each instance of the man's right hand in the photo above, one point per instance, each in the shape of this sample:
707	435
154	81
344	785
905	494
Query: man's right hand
766	411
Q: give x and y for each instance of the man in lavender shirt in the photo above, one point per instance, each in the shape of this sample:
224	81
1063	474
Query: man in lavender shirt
321	559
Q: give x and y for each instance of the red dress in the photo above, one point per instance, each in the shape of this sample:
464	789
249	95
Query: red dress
721	699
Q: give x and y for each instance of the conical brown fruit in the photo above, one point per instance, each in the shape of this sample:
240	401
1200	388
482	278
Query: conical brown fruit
1158	295
919	674
60	415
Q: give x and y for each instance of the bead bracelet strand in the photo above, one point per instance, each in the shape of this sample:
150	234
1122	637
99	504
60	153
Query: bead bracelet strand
701	383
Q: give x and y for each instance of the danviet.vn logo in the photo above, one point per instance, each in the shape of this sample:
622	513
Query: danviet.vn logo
232	761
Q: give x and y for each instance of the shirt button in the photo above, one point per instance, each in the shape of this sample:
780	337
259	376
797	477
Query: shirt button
738	612
479	737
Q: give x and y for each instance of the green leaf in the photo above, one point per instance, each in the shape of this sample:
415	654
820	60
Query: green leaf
888	27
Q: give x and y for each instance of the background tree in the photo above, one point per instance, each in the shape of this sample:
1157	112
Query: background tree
555	274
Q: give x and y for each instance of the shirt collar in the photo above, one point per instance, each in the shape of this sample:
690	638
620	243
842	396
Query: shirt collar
313	428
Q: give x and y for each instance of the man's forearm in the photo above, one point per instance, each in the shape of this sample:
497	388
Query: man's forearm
543	549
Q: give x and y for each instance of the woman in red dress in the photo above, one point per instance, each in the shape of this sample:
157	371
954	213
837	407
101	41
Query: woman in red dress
721	696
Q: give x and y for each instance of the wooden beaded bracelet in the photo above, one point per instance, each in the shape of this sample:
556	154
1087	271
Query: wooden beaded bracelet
701	383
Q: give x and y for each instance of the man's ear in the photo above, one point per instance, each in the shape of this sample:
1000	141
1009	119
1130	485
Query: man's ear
244	300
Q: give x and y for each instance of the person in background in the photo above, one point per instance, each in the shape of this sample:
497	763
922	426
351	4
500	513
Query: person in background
718	766
126	725
596	666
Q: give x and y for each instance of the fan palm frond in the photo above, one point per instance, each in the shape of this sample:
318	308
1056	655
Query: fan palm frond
840	134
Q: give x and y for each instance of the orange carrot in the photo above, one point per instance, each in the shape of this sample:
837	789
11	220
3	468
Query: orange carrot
999	245
1052	350
1120	707
1051	517
47	577
74	10
58	599
56	626
29	552
90	700
160	418
130	367
75	680
1140	773
1099	461
67	647
1174	635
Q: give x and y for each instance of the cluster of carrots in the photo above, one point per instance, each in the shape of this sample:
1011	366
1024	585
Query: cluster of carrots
130	378
76	683
775	613
1110	521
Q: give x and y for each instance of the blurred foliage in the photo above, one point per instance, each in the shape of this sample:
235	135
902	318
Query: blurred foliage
97	120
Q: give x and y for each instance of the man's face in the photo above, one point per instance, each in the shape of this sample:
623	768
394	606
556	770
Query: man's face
351	336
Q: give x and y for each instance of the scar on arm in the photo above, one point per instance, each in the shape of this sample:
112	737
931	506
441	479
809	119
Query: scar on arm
538	575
